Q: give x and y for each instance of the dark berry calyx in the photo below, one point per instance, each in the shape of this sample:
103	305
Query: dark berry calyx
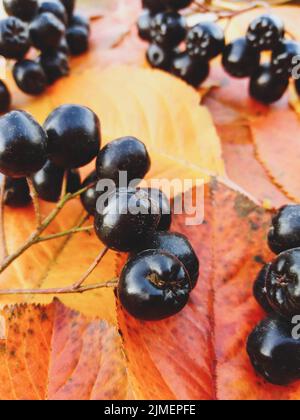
168	29
14	38
205	41
265	32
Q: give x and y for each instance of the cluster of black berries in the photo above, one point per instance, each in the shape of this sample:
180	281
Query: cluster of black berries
163	268
165	28
50	26
274	345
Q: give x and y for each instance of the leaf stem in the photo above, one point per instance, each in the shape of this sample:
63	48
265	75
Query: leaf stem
65	233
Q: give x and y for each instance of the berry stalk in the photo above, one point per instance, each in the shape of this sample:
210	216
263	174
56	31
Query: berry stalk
36	203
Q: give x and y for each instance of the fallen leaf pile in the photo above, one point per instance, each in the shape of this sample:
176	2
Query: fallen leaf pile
85	346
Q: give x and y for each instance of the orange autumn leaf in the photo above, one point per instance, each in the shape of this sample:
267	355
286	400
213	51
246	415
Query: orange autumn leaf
54	353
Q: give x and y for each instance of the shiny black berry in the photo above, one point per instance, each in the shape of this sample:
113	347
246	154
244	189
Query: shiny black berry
266	86
144	25
168	29
164	205
5	98
189	69
283	283
23	145
55	65
48	182
46	31
69	6
265	32
274	352
126	154
22	9
177	4
16	193
240	59
78	39
297	86
283	58
154	6
14	38
125	218
90	196
30	77
80	20
154	285
63	47
55	7
284	232
178	245
159	57
205	41
260	290
74	136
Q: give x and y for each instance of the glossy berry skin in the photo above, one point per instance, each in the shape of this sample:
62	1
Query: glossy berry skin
284	232
23	145
283	57
120	225
260	290
297	86
178	245
69	6
55	7
205	41
14	38
283	283
265	32
177	4
46	31
16	193
78	39
168	29
126	154
74	136
164	206
154	285
159	58
154	6
273	351
5	98
192	71
90	196
48	182
22	9
240	59
30	77
144	25
55	65
80	20
267	87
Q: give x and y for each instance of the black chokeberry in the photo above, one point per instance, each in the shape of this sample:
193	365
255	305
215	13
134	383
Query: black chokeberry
16	193
80	20
297	85
14	38
159	57
55	7
266	86
189	69
23	145
69	6
164	205
260	290
274	352
22	9
48	182
240	59
5	98
154	6
74	136
144	25
90	196
284	58
63	47
178	245
125	218
168	29
265	32
55	65
177	4
46	31
205	41
126	154
283	283
30	77
78	39
284	232
154	285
